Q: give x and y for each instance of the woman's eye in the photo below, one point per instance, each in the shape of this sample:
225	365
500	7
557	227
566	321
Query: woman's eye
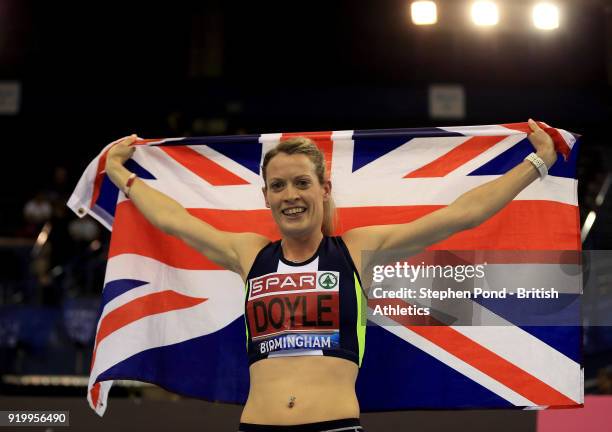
303	183
276	186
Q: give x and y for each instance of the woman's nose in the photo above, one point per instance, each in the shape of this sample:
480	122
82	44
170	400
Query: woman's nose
291	193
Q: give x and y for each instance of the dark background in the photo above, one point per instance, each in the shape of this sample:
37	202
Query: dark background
92	72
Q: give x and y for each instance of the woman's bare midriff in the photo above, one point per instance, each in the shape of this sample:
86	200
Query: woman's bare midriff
323	388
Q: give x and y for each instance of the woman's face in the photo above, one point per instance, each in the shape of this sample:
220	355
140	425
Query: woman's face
294	194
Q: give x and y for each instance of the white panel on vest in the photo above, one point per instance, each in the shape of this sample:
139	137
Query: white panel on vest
312	266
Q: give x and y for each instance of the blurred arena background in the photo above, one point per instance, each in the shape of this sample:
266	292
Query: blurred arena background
74	77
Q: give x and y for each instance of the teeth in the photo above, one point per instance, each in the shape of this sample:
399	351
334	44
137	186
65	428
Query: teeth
293	211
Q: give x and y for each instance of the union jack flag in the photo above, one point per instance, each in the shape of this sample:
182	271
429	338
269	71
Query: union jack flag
170	316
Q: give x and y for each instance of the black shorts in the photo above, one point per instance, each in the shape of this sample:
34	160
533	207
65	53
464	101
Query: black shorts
341	425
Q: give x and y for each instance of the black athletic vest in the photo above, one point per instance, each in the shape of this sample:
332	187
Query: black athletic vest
315	307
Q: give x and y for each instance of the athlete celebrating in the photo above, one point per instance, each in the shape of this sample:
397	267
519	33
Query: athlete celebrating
304	305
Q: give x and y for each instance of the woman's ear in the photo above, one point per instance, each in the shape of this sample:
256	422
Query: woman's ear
327	190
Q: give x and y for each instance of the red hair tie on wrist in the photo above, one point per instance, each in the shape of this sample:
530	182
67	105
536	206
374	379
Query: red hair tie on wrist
128	184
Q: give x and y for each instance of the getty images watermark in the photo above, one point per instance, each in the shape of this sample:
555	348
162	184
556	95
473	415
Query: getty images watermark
540	288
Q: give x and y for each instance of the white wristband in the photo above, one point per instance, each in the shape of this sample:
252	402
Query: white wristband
538	163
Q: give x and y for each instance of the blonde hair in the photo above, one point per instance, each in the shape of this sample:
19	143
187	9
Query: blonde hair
307	147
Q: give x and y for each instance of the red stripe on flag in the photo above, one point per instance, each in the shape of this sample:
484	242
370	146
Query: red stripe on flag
323	141
141	307
521	127
456	157
548	225
95	394
522	225
133	234
203	167
560	144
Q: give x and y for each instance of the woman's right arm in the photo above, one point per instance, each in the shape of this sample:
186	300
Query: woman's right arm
233	251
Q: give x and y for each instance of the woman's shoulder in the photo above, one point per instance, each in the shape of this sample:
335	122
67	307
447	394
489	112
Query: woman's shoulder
250	247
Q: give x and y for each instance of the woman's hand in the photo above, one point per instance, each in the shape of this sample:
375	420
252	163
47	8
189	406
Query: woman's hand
121	151
543	144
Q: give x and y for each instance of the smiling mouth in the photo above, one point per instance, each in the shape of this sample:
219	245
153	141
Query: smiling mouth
293	211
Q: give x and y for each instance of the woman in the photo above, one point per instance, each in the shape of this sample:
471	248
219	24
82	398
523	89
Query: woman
303	303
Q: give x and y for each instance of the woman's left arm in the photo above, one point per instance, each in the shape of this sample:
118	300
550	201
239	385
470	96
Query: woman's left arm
468	211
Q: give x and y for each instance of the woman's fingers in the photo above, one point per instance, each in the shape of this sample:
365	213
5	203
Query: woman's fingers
129	140
533	125
542	142
123	148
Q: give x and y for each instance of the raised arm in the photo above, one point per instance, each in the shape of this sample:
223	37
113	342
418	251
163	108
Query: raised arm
468	211
233	251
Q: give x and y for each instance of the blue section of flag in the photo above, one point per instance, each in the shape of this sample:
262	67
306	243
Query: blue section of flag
192	368
117	287
554	321
372	144
247	152
421	372
515	155
564	339
536	312
567	168
133	166
107	200
244	149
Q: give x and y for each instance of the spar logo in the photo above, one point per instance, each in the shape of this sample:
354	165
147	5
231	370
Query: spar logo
328	280
293	283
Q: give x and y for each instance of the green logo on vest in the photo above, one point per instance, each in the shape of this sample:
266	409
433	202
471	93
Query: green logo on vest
328	280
